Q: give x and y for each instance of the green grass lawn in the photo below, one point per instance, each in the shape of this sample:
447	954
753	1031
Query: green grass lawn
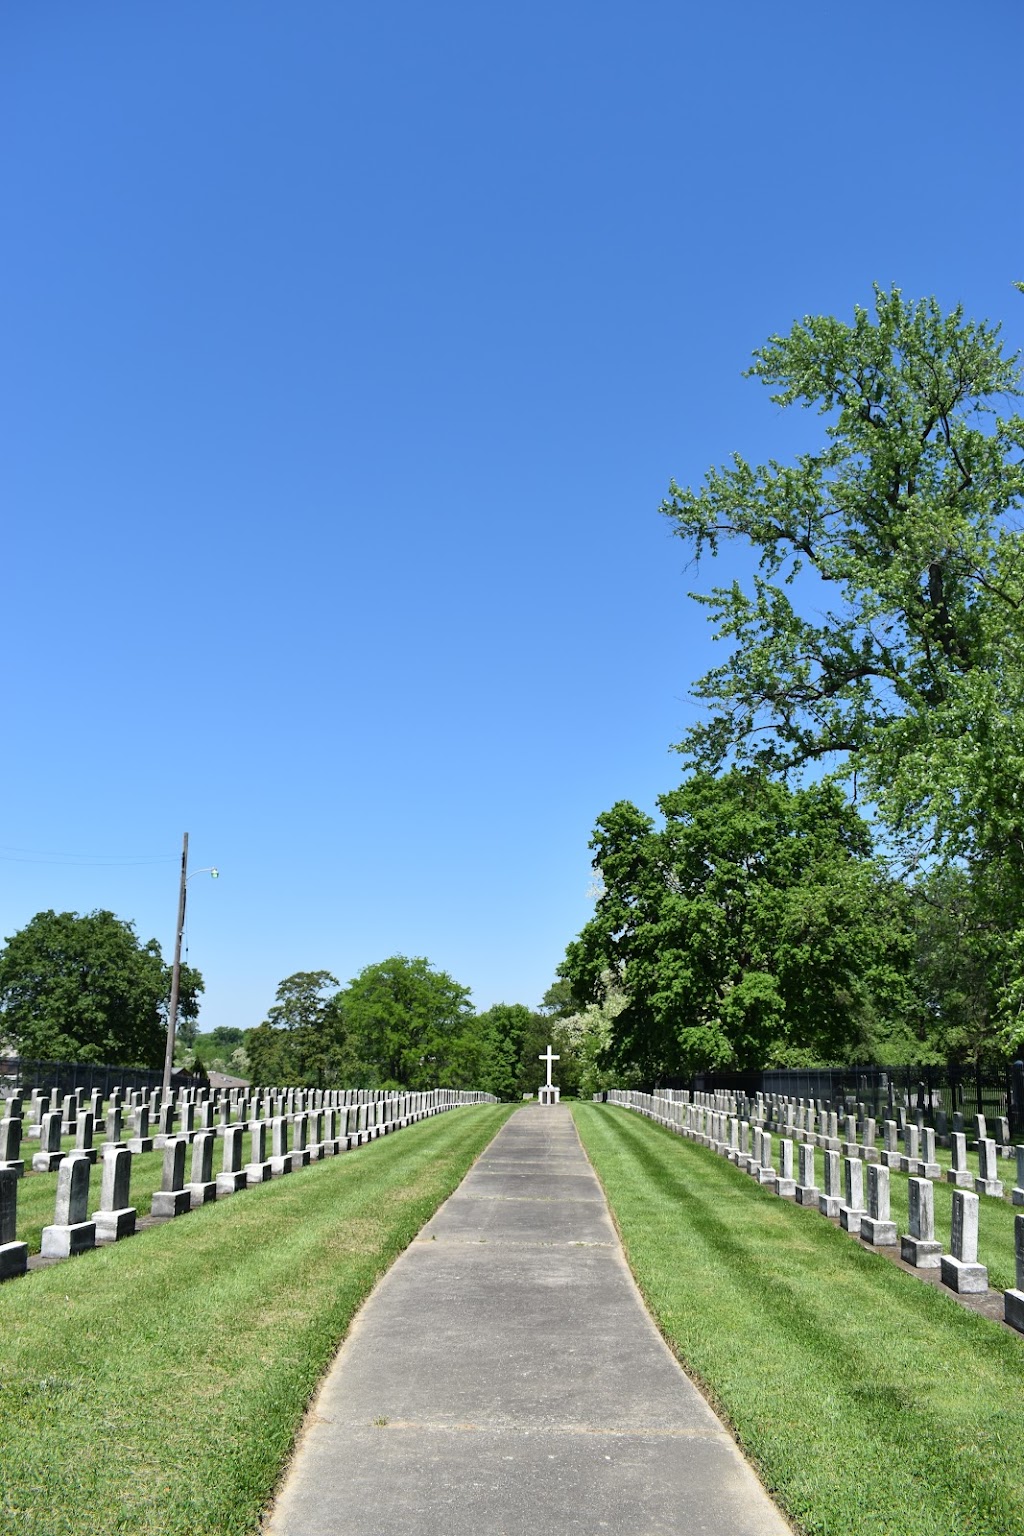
154	1388
870	1403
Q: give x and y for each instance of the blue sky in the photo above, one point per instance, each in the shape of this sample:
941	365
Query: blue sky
347	354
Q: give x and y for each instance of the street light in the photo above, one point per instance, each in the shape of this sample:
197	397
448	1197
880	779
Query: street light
172	1011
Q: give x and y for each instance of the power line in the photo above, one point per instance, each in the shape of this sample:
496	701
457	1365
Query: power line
10	854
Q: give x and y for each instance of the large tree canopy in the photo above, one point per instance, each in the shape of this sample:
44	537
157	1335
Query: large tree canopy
885	629
300	1041
83	989
411	1026
752	929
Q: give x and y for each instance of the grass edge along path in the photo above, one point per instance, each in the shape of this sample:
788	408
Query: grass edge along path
869	1404
155	1388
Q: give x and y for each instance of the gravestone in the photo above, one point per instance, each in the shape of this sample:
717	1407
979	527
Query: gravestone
13	1255
912	1156
300	1151
1013	1300
113	1122
115	1218
929	1168
829	1200
1017	1194
140	1139
280	1157
919	1247
806	1189
232	1176
258	1171
202	1186
49	1155
959	1173
10	1145
852	1210
71	1233
83	1135
988	1181
960	1269
869	1152
877	1227
172	1198
785	1184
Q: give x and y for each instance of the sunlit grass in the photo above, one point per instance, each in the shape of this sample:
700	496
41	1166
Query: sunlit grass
869	1402
154	1388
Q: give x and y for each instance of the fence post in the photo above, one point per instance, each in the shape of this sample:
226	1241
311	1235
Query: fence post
1017	1100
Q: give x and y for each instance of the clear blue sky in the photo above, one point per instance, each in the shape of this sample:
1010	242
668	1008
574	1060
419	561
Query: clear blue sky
346	355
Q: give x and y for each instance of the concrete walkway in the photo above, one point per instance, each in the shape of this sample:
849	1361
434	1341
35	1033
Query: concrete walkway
505	1379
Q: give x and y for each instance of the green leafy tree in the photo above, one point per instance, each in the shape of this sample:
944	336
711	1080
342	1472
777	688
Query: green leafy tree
84	989
753	929
411	1026
503	1029
883	633
301	1040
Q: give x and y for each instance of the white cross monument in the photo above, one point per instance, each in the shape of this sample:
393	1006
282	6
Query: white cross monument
548	1094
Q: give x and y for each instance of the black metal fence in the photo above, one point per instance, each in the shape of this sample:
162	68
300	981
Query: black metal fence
63	1076
966	1090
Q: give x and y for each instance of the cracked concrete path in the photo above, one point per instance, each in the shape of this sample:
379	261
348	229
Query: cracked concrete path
505	1379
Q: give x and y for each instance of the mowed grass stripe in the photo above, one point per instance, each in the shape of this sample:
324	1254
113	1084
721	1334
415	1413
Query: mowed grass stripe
155	1388
869	1402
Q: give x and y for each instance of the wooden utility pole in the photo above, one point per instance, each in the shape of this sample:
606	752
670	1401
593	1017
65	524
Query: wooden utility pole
172	1011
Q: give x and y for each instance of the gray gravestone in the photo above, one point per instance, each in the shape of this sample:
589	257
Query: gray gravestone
202	1186
172	1198
960	1269
10	1145
853	1209
13	1255
876	1227
959	1174
71	1233
115	1218
920	1247
232	1176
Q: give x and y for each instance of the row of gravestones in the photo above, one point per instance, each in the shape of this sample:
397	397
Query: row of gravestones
295	1140
749	1145
149	1124
794	1116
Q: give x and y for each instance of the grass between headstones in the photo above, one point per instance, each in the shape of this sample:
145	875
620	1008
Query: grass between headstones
869	1403
154	1388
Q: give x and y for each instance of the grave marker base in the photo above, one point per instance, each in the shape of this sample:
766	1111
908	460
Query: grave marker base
257	1173
112	1226
201	1194
808	1194
850	1219
1013	1308
67	1242
13	1260
880	1234
993	1187
966	1279
230	1183
46	1162
922	1252
171	1202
